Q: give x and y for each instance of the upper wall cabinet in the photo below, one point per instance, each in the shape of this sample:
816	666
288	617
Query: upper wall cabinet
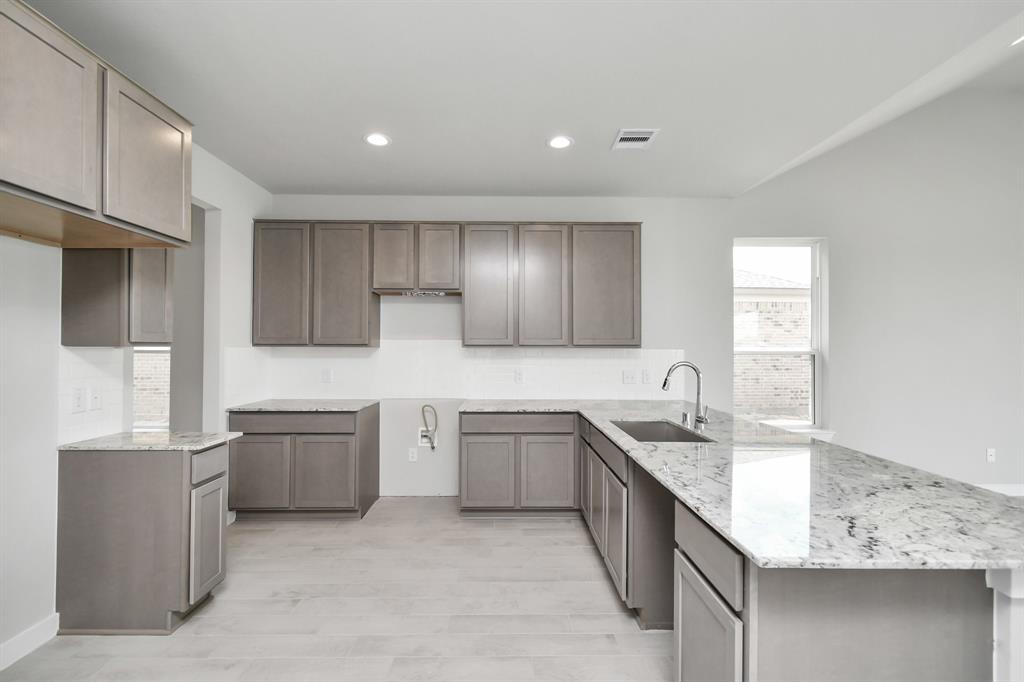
147	168
52	148
280	285
440	256
488	299
311	284
543	285
48	109
427	256
606	285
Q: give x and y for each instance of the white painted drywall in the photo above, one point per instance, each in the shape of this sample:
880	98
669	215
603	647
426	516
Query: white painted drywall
29	338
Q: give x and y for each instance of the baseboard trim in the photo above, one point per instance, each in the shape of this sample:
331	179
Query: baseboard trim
28	640
1013	489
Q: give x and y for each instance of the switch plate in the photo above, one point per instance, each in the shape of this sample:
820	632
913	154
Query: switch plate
990	455
414	454
517	376
645	376
78	400
327	376
629	376
95	399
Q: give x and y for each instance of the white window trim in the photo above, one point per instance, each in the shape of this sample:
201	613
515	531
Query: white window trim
819	323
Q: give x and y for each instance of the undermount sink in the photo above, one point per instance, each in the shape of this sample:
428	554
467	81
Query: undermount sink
660	432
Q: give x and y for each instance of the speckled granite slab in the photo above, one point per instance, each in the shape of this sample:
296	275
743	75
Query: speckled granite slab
788	501
155	441
305	405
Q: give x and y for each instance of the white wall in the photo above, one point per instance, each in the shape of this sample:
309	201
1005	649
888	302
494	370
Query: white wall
29	338
925	222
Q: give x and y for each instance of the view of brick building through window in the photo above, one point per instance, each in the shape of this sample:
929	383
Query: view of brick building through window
151	388
774	364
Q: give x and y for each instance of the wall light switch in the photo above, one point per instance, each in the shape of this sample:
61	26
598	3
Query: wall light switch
78	400
645	376
517	376
990	455
95	400
629	376
327	376
414	454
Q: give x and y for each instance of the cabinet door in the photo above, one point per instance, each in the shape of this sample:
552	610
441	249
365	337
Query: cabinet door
487	471
94	297
206	565
543	285
585	481
152	306
488	299
341	285
325	472
49	137
260	472
280	289
147	160
615	504
547	471
394	256
708	635
606	285
440	257
597	507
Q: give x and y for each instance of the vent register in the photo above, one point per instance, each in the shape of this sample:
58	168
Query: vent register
634	138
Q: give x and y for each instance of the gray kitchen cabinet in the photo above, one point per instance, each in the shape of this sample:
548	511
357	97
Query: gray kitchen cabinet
606	285
207	538
345	311
116	297
547	470
48	109
585	481
260	472
439	258
598	515
543	285
615	529
151	317
281	291
299	461
394	256
708	637
488	300
147	167
140	537
325	471
487	471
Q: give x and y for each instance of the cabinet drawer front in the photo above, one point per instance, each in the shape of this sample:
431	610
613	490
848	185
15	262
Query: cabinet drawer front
717	560
613	457
518	423
292	422
209	463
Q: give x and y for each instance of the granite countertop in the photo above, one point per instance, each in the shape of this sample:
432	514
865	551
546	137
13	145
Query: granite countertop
153	441
786	500
306	405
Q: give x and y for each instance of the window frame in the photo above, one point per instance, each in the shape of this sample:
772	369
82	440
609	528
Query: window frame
818	347
135	426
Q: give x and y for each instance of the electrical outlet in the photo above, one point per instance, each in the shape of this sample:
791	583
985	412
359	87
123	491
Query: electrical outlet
78	400
327	376
414	454
517	376
629	376
645	376
95	399
990	455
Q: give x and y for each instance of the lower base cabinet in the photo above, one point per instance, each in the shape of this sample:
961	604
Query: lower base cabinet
331	462
207	540
608	518
708	642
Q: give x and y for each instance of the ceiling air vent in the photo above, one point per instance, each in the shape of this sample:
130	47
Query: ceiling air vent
634	138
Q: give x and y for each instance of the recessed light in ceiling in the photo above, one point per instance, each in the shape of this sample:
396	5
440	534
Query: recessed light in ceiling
378	139
560	142
1018	41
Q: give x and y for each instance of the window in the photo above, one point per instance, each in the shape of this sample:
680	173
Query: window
778	331
151	388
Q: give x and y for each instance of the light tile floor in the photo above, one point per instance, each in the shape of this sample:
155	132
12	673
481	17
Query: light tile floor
413	591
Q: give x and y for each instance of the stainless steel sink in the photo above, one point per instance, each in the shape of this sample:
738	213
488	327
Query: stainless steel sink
661	432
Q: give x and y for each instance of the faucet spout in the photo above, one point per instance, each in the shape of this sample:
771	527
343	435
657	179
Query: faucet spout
701	416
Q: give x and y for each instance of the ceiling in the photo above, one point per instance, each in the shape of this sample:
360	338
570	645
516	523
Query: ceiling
469	92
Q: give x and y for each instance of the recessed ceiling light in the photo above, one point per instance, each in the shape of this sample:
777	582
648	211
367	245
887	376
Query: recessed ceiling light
1018	41
378	139
560	142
